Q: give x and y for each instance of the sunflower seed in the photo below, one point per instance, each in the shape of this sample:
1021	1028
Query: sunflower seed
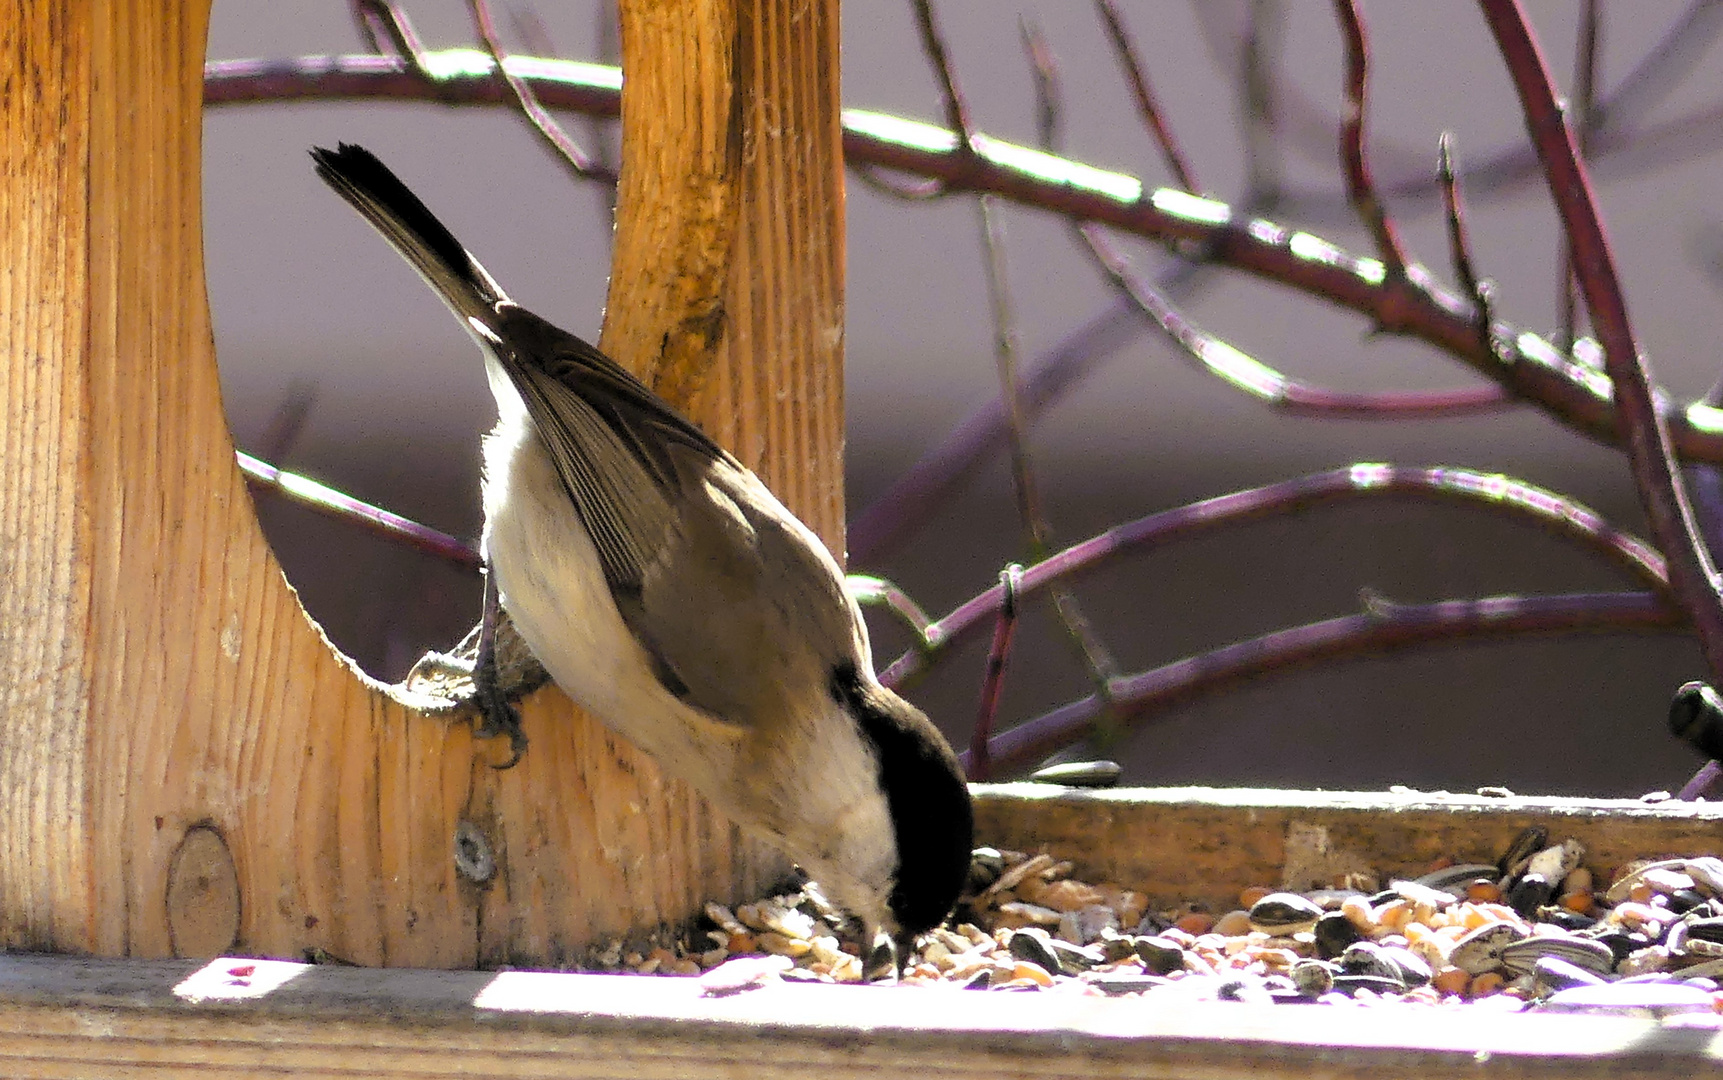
1457	877
1481	950
1622	888
1531	840
1283	914
1521	957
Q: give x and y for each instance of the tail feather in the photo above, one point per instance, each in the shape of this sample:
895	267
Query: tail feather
380	196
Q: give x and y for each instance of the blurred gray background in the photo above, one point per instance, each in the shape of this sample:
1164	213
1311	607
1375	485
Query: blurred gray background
306	298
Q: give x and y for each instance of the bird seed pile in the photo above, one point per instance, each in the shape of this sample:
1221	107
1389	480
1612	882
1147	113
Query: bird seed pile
1539	928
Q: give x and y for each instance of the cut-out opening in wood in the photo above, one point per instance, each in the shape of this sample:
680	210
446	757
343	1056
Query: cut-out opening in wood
164	691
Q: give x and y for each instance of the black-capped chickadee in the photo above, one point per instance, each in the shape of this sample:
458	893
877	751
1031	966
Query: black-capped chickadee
672	596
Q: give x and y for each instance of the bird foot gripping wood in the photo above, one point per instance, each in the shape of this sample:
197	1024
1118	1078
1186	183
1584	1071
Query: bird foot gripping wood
488	682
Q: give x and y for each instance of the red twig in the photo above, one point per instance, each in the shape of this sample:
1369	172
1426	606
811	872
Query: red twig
535	112
383	21
1096	658
930	483
1646	438
1147	108
1413	306
1385	628
1580	114
1460	245
1353	160
933	43
1004	631
1283	394
868	590
1212	354
343	507
1496	493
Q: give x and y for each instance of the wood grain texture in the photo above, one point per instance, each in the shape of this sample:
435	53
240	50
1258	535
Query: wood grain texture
728	297
158	677
1209	844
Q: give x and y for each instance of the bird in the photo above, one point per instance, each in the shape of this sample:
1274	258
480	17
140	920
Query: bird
671	595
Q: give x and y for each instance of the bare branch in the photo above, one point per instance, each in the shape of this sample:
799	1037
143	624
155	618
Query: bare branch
1244	372
1353	159
1460	245
1646	437
1660	71
1214	355
1414	306
1094	654
261	475
930	482
1004	631
1126	51
933	44
1579	117
383	21
870	591
1492	492
546	125
1384	629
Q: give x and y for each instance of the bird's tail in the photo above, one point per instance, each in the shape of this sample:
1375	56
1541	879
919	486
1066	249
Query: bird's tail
380	196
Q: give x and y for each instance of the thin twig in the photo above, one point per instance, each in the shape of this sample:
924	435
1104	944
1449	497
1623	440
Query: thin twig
932	481
1525	363
1354	160
1386	629
1004	632
1661	70
1244	372
383	21
1212	354
1023	481
1460	244
905	188
1492	492
951	99
1096	658
1646	437
1579	117
870	591
535	35
546	125
326	500
1125	50
1259	104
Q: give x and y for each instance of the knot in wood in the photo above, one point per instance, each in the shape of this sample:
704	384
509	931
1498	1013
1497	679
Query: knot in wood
202	895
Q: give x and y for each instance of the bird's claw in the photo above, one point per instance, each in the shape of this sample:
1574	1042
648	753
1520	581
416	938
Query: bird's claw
497	714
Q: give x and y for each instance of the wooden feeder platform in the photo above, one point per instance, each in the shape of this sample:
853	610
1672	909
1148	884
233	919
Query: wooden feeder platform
244	1017
188	769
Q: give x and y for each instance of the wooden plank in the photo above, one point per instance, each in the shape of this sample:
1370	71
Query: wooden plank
1208	844
63	1016
237	1017
186	765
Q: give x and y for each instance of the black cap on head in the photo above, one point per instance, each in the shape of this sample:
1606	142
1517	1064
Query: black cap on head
926	796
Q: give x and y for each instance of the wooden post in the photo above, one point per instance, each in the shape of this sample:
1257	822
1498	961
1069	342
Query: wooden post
186	765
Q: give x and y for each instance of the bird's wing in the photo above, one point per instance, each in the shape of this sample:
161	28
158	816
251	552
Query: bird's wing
610	439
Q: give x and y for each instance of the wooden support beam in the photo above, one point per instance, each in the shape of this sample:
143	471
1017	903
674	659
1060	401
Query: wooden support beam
186	766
